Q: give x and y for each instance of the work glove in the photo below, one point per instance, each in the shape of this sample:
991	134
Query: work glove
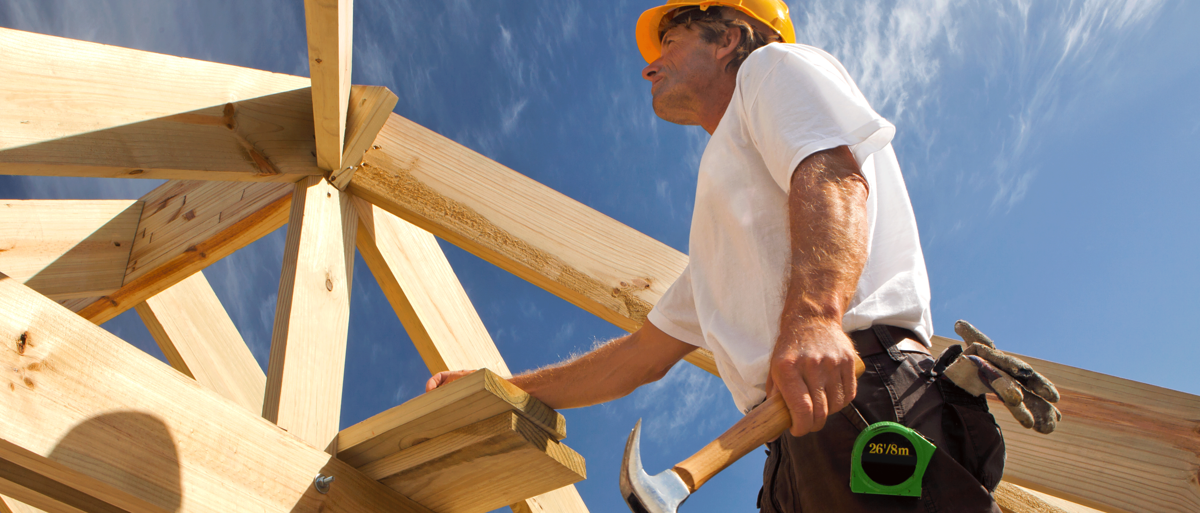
981	368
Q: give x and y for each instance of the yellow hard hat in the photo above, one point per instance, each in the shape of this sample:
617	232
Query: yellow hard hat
773	13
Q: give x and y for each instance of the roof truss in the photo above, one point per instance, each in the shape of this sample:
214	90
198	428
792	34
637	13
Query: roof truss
333	158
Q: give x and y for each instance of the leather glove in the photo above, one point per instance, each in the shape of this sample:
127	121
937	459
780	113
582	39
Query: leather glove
981	368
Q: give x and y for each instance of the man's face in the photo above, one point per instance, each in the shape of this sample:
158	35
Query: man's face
681	77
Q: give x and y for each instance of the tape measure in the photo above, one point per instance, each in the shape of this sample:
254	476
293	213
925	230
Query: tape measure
889	459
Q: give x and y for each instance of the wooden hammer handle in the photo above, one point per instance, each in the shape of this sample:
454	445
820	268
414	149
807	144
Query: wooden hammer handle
763	424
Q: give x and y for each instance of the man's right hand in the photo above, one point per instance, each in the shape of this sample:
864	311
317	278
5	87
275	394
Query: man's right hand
444	377
814	369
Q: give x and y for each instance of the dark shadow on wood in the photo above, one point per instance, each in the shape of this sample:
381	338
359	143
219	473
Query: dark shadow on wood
95	467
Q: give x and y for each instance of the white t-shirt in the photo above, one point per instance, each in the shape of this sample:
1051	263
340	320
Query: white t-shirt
790	101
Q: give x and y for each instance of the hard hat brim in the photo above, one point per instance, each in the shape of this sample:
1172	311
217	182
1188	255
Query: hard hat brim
646	32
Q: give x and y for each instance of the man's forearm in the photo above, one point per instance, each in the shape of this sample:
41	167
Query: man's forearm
608	372
812	364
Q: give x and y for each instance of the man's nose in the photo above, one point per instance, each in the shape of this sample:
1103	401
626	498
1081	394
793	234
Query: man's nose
650	70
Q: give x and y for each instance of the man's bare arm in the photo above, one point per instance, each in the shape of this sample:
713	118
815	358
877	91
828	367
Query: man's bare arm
813	362
608	372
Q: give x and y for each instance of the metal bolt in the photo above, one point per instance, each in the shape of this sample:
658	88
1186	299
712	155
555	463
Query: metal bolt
322	483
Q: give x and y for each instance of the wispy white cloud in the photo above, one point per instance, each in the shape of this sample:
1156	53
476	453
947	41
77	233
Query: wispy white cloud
908	54
686	400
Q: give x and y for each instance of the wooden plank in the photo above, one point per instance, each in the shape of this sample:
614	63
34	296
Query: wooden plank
370	107
262	139
11	505
1018	499
562	500
85	109
80	396
330	26
199	339
312	317
520	225
426	295
480	467
414	275
516	223
185	227
1121	445
55	486
67	249
478	396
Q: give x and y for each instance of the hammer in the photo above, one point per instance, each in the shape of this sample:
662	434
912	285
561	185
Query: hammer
663	493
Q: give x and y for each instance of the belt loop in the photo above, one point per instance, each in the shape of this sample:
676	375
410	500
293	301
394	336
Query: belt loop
888	343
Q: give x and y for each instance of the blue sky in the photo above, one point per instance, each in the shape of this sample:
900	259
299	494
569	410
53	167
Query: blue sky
1045	145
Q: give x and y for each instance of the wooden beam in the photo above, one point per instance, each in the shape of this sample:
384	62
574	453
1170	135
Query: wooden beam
476	397
312	317
67	249
330	25
185	227
55	486
82	397
414	275
116	112
418	281
1018	499
480	467
520	225
199	339
1121	445
11	505
562	500
516	223
370	107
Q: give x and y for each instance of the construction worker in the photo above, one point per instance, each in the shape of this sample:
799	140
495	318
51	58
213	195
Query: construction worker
804	252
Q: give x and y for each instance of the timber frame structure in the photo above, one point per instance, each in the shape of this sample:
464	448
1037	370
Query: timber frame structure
90	423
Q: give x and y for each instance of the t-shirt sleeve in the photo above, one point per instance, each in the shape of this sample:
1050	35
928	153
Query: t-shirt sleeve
798	101
675	313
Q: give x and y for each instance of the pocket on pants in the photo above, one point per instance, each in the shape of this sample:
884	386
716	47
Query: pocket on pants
973	438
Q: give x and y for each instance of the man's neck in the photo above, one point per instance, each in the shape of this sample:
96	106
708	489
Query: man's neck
716	102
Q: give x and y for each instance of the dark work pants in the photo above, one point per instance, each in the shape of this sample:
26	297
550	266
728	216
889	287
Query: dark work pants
812	473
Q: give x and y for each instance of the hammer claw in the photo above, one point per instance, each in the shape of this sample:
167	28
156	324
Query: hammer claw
662	493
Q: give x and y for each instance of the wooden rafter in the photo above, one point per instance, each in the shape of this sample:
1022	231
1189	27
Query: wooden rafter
199	339
67	248
185	227
312	316
79	396
417	280
516	223
370	107
127	113
330	28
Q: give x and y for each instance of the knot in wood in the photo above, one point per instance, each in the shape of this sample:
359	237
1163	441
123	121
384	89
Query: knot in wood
329	284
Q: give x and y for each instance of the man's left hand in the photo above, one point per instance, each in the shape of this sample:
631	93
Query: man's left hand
813	367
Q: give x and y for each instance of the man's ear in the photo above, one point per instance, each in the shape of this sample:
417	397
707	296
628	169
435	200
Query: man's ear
729	42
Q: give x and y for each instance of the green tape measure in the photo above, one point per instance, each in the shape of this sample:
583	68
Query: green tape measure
889	459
